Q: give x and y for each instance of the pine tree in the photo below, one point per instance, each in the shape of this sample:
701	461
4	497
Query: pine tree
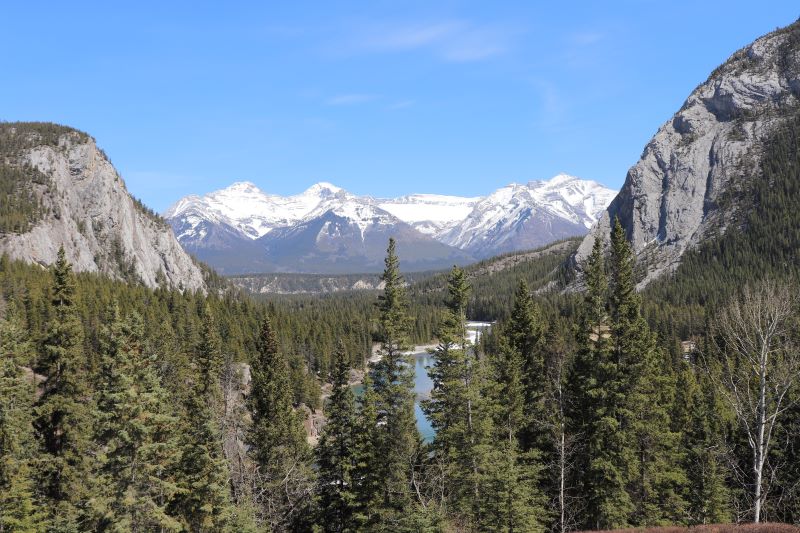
63	412
136	434
19	510
450	362
336	454
393	382
595	385
700	418
460	411
367	441
642	396
205	502
514	500
279	443
526	334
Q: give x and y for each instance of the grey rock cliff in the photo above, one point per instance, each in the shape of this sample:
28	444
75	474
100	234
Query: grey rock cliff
669	202
91	213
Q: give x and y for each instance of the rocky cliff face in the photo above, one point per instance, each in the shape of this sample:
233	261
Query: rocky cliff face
85	207
670	201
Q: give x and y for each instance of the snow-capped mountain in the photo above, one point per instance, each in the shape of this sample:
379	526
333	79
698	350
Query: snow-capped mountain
325	229
431	214
518	217
247	208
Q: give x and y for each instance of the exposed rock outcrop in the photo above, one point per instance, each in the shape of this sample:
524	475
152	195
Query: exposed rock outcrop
87	209
670	200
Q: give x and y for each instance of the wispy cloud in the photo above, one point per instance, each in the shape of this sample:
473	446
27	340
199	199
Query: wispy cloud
457	41
585	38
402	104
350	99
552	107
585	49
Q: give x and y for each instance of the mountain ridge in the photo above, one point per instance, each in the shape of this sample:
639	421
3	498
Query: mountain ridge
75	198
681	192
449	228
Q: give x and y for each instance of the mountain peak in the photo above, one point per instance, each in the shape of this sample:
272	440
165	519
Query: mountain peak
84	207
323	188
245	186
671	199
559	180
514	217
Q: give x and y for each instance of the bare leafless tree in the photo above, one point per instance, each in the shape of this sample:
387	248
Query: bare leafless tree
564	443
759	366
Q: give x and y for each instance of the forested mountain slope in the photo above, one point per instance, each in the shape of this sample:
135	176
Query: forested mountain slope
57	188
762	239
692	181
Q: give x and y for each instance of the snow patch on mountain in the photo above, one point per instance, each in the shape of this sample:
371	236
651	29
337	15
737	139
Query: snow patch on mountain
513	217
519	216
431	214
246	207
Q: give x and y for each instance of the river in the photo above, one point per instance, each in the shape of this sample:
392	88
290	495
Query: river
422	381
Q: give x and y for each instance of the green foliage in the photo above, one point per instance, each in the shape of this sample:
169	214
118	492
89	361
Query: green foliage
136	435
393	382
594	383
63	412
95	375
494	281
203	473
277	437
488	482
700	419
525	332
368	444
337	454
18	506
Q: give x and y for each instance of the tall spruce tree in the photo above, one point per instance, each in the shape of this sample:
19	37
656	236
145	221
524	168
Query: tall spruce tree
277	437
19	510
515	501
452	407
63	413
643	395
337	454
596	391
461	410
450	362
367	448
205	502
526	335
136	434
700	419
393	382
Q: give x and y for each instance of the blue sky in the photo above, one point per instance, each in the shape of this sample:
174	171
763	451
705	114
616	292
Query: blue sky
381	98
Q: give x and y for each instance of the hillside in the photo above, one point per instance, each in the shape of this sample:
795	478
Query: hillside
284	283
695	179
57	188
493	281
